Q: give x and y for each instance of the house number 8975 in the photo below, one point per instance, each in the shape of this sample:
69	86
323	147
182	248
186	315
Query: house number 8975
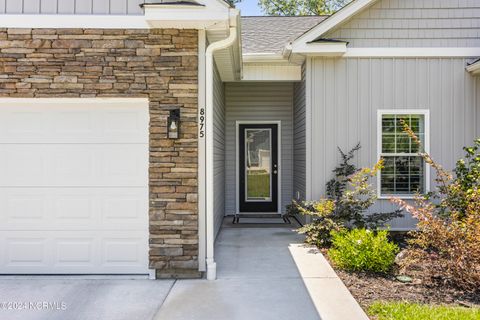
202	122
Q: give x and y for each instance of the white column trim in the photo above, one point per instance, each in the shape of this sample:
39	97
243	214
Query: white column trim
308	129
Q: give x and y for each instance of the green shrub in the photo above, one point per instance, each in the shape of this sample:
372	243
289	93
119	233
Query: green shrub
363	250
317	232
353	194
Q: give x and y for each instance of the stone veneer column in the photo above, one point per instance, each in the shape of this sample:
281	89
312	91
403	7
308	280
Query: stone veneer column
158	64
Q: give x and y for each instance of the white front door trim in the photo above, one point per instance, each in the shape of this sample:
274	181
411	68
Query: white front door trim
237	160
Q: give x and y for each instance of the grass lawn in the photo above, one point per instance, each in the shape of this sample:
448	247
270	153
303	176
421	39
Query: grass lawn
414	311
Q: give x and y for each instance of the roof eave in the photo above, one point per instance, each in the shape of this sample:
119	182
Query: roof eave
334	49
179	14
333	21
474	68
172	3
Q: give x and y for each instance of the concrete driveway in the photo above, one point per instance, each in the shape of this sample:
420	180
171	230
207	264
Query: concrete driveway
82	299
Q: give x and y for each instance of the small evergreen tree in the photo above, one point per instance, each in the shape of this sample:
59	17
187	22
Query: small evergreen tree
337	185
349	196
353	195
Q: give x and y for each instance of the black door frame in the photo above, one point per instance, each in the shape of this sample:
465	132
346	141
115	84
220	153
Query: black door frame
259	206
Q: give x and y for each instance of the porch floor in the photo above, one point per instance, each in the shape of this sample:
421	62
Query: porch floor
257	279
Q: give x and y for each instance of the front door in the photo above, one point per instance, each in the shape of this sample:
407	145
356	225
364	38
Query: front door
258	145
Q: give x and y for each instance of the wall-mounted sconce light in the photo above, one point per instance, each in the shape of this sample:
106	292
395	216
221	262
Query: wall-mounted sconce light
174	124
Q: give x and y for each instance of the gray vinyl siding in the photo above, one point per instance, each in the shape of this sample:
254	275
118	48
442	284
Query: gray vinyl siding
256	102
114	7
299	135
414	23
218	150
346	94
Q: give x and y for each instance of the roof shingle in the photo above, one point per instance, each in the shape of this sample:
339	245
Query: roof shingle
271	34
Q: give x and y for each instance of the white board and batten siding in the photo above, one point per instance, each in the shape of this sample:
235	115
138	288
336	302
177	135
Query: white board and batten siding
299	138
413	23
347	93
82	7
74	186
259	101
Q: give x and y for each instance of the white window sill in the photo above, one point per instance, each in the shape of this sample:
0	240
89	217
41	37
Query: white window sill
396	197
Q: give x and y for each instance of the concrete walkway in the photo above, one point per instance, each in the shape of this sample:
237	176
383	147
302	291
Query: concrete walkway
257	279
263	273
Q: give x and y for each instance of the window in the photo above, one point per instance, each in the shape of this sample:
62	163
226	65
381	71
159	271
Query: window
404	173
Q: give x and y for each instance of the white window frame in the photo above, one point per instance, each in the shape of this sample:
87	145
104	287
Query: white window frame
426	146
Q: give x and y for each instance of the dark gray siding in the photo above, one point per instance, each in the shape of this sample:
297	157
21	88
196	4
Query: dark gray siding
346	94
414	23
120	7
299	135
218	149
259	101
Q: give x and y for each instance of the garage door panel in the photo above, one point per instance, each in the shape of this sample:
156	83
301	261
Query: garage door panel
86	121
73	208
121	251
75	251
26	251
62	165
25	206
86	252
73	186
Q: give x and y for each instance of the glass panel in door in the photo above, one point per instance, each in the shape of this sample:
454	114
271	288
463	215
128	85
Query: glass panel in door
258	164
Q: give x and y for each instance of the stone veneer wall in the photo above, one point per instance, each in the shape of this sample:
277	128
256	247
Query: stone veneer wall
158	64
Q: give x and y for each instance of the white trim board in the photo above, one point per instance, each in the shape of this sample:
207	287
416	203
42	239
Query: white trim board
413	52
271	72
237	162
308	128
320	50
72	100
73	21
426	114
264	58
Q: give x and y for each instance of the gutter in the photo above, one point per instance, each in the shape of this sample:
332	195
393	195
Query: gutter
210	225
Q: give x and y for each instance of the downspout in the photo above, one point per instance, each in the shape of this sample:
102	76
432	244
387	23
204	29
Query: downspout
210	225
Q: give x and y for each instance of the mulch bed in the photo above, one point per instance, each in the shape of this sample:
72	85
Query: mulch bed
368	288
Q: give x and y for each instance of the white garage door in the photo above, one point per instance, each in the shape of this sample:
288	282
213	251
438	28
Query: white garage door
73	186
